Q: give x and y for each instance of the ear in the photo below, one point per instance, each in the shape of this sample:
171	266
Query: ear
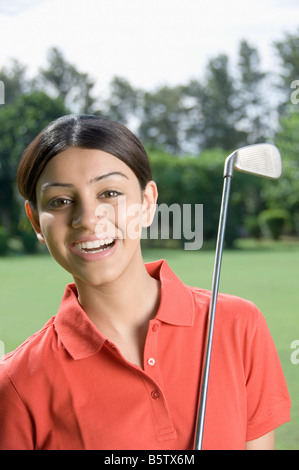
32	215
150	196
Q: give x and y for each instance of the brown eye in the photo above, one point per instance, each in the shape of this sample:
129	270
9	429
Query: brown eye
110	194
59	203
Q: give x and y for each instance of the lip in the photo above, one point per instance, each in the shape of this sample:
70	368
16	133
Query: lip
101	255
92	238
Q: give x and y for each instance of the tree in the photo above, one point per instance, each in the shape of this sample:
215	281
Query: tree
219	107
15	81
20	122
193	99
284	194
253	109
214	114
161	124
189	180
62	80
124	103
287	51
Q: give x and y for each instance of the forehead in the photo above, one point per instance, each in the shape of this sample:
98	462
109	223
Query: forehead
78	164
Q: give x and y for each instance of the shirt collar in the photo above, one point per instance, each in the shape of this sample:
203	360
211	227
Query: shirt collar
176	303
81	338
78	334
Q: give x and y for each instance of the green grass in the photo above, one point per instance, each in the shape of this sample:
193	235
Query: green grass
31	289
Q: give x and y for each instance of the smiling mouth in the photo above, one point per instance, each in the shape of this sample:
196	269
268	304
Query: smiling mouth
95	246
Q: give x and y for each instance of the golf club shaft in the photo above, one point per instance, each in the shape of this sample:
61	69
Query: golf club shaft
212	309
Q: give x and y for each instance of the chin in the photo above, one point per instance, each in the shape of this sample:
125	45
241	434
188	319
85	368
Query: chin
100	277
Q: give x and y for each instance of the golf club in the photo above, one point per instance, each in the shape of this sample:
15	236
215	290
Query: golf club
261	160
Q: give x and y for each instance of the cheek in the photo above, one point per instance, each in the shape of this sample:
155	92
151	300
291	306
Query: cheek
108	223
51	229
46	222
134	221
123	220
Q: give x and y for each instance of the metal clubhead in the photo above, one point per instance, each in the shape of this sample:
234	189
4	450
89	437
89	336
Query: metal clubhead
259	159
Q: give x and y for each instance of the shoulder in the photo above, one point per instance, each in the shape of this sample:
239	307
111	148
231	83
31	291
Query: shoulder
231	310
226	302
30	355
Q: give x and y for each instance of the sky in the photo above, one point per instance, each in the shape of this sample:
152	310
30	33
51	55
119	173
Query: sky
148	42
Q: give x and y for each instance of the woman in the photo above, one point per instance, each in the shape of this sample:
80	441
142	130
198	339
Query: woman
119	366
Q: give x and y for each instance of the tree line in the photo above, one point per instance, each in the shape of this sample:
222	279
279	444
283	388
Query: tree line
187	129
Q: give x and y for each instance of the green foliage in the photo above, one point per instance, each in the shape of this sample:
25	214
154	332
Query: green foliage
63	80
283	193
252	105
27	236
123	101
4	237
199	180
20	122
252	227
275	220
287	52
16	83
162	118
29	241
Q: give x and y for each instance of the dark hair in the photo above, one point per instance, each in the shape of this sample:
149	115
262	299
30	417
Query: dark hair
84	131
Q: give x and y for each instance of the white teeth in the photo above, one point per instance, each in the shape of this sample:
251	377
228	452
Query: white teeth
94	244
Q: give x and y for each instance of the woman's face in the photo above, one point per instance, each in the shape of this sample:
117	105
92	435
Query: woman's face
90	212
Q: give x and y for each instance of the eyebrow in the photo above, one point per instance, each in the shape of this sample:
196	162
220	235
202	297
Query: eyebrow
92	181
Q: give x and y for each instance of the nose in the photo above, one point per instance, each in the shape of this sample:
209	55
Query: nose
84	216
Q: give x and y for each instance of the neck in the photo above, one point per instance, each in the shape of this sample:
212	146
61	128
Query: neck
121	310
128	303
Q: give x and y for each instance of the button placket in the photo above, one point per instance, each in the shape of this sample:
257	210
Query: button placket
163	422
150	352
154	384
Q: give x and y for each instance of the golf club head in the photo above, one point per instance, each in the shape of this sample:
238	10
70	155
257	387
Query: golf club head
259	159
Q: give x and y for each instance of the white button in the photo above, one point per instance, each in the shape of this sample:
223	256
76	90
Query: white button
151	361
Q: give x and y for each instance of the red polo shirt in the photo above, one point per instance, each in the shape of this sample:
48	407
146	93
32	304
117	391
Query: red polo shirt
69	387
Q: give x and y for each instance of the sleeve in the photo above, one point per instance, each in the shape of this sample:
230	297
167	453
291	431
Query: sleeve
16	427
268	400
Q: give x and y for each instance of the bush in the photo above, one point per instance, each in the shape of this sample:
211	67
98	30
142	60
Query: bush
27	236
252	227
4	236
275	220
29	241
